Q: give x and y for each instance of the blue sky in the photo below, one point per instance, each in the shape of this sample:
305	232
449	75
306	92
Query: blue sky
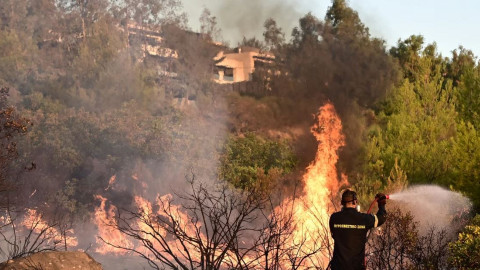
448	23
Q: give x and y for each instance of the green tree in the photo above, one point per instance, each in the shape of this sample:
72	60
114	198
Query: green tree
88	11
468	96
151	12
465	158
273	34
345	21
14	56
252	42
465	252
462	61
246	160
407	52
11	127
427	123
208	25
418	132
417	123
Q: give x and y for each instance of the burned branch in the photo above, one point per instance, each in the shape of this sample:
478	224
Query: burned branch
28	237
399	245
218	228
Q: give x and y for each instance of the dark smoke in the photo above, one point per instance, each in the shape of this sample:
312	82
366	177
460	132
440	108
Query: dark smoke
336	60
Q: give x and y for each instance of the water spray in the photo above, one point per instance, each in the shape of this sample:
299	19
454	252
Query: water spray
431	206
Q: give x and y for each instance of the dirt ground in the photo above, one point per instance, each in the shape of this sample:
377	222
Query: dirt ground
53	261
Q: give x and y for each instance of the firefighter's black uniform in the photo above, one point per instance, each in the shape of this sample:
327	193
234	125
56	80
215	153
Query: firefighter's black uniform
349	231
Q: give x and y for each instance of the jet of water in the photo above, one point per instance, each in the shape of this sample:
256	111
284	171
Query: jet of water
432	205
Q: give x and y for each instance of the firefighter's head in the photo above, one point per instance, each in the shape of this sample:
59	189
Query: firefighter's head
349	198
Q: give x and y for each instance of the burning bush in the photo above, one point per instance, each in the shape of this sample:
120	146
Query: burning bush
215	227
26	231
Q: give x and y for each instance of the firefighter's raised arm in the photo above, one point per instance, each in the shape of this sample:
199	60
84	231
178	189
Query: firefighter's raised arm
381	215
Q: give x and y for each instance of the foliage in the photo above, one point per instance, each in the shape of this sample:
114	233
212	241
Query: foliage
251	42
345	21
150	12
468	96
465	251
367	188
102	106
465	159
273	35
208	25
360	73
428	121
418	132
13	56
11	127
248	159
398	245
407	54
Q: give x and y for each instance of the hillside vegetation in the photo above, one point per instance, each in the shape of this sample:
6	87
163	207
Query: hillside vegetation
82	102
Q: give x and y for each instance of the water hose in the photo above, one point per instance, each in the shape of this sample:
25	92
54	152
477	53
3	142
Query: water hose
374	201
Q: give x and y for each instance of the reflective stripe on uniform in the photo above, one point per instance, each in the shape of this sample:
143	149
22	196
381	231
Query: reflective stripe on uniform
348	226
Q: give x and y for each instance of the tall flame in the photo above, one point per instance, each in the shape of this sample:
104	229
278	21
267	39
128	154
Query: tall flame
320	182
310	216
321	178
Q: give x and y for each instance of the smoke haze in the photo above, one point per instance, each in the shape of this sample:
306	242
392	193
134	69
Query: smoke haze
99	119
237	19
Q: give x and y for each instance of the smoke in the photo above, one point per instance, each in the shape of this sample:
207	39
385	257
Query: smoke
237	19
153	148
434	206
118	117
353	73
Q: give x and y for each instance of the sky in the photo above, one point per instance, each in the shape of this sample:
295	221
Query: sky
448	23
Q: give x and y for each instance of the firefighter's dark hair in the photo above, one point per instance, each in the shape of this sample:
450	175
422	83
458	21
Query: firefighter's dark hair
348	196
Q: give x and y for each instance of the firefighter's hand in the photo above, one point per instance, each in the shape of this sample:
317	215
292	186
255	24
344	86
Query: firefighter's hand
381	199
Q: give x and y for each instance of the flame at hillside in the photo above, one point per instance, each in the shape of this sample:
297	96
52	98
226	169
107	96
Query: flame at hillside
167	224
107	232
34	222
311	215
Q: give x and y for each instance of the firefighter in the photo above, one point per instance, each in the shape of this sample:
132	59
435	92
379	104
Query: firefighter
349	229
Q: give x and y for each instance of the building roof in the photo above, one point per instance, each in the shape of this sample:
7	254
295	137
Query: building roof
244	57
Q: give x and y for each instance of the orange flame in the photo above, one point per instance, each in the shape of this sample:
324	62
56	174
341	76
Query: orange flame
321	180
142	183
107	230
310	216
180	217
34	221
111	182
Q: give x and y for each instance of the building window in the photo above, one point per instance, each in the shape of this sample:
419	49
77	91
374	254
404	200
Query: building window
228	75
